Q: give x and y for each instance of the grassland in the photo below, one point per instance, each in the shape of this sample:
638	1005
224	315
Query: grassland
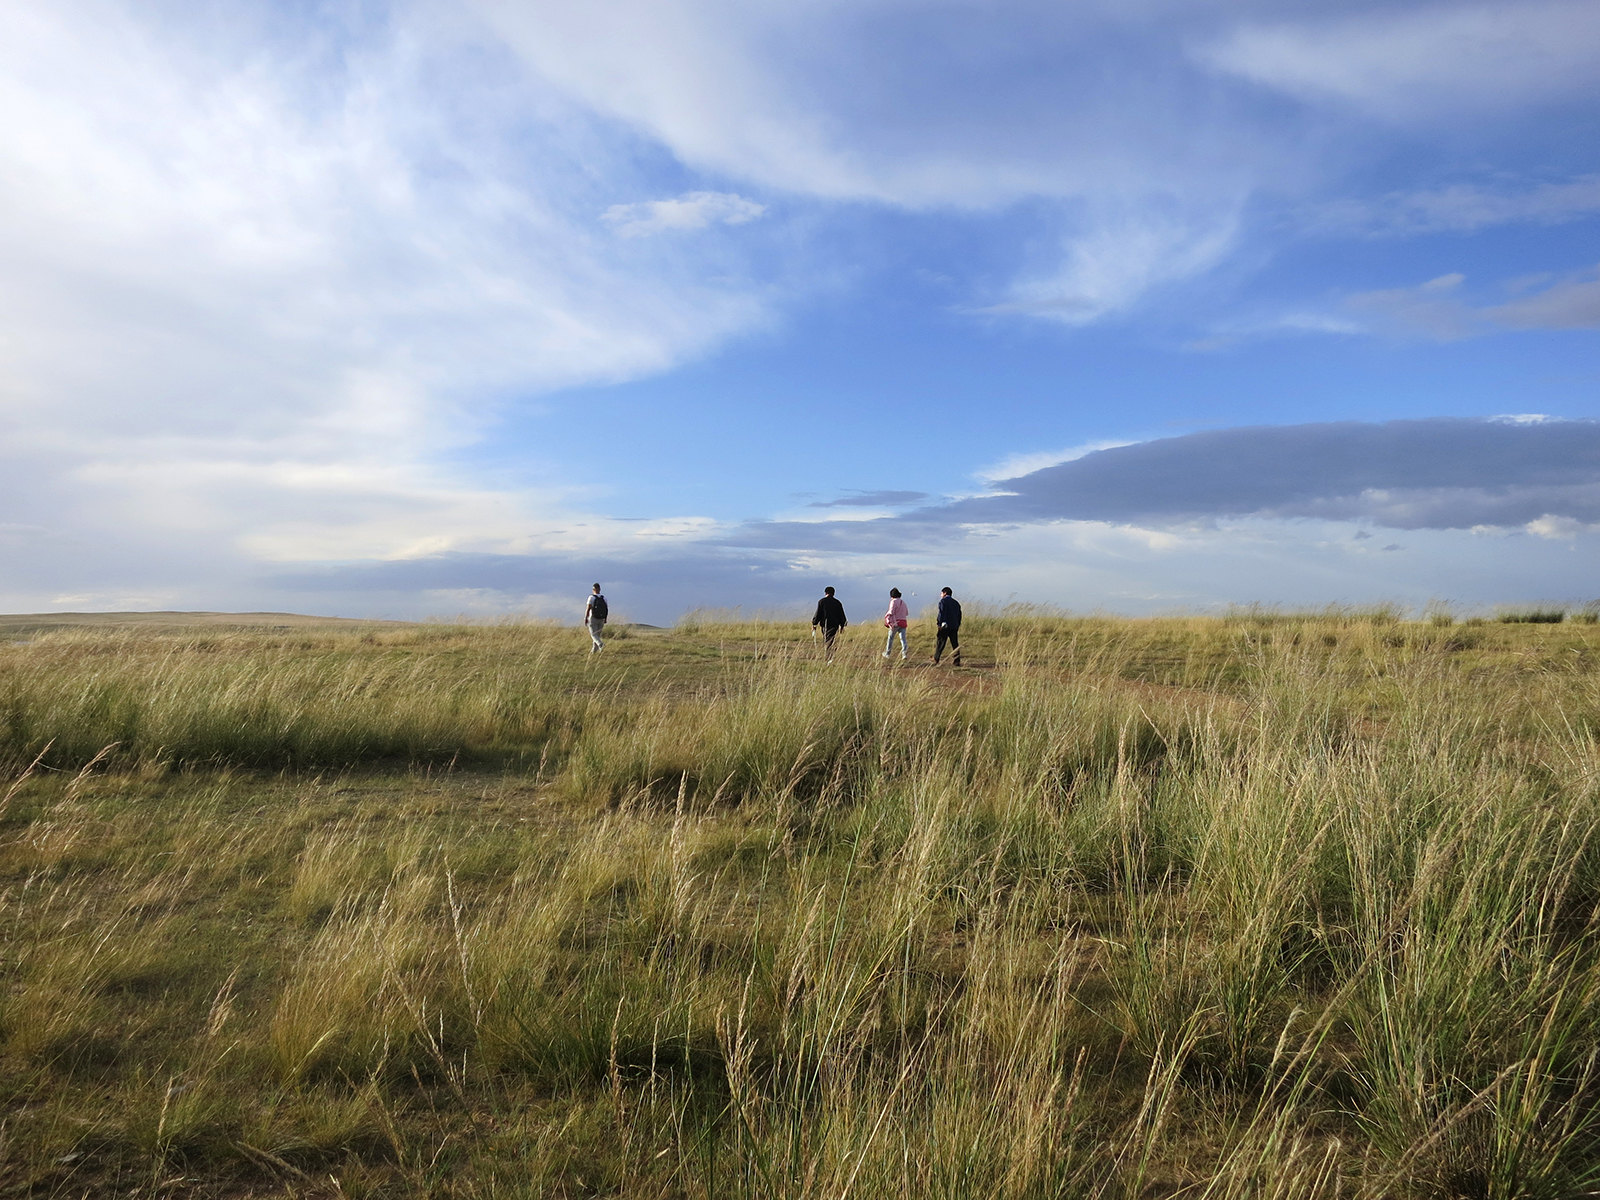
1268	906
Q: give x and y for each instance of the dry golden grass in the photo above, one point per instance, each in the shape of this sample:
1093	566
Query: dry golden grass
1270	905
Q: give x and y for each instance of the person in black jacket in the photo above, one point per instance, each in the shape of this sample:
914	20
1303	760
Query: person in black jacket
830	616
949	620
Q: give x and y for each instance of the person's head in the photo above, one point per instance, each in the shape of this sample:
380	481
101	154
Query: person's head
894	593
944	591
597	589
827	591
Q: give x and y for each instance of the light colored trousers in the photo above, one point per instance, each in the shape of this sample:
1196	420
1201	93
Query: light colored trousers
596	626
889	645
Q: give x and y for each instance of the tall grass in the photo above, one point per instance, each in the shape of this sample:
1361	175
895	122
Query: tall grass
299	701
1298	907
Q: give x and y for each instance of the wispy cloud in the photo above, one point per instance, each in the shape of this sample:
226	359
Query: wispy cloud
1460	208
1443	309
1237	331
1570	303
690	211
1116	261
1422	62
1433	309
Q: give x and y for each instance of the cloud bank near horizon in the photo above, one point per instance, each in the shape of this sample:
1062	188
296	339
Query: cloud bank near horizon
1436	474
1239	509
1425	474
1272	514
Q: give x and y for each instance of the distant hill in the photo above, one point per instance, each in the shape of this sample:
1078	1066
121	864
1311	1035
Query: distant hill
22	623
19	625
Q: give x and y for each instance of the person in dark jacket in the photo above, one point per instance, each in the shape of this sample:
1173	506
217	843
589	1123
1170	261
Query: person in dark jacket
830	616
949	621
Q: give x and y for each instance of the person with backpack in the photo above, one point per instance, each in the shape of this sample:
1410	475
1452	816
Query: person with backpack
830	616
949	621
594	616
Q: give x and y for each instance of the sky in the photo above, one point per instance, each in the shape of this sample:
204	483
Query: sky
427	309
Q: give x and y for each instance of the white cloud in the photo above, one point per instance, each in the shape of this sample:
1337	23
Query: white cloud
1139	125
692	210
1424	62
701	77
254	280
956	107
261	271
1556	528
299	257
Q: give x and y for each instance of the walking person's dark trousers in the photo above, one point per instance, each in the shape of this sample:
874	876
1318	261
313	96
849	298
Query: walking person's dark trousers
829	632
951	636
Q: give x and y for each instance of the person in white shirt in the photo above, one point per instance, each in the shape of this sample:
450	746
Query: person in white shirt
595	613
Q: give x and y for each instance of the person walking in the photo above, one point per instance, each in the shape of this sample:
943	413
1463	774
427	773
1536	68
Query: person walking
830	617
949	620
895	620
595	613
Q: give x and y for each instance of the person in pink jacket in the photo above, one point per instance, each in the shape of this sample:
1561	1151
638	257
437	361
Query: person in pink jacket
895	620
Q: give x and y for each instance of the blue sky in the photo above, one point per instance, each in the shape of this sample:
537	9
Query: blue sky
415	308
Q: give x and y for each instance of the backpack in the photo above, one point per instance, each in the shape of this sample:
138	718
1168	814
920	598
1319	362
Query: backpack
597	608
